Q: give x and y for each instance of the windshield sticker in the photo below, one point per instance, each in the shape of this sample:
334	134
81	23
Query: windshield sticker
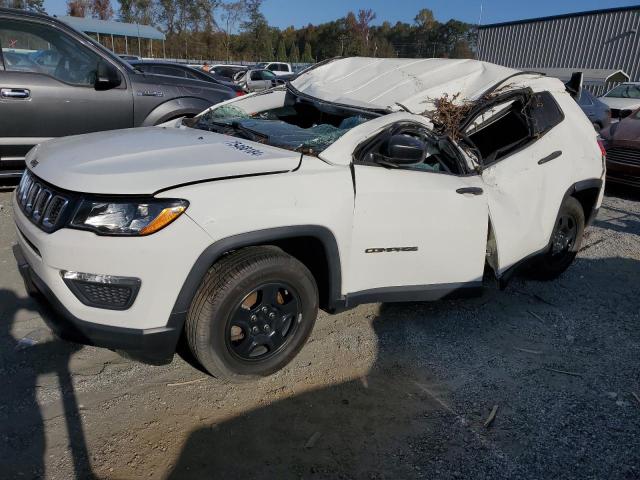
243	147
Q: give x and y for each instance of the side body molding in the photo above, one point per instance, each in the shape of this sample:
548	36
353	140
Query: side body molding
259	237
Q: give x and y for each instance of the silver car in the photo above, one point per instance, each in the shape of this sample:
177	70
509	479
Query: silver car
254	80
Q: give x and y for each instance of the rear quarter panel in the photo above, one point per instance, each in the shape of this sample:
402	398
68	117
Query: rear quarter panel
581	160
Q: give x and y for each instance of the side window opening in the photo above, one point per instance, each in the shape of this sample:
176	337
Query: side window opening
513	125
586	100
545	113
439	156
501	134
34	48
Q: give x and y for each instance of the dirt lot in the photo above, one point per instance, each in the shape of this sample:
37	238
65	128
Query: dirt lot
380	392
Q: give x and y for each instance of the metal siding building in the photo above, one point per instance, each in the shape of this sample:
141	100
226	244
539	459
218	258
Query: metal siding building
600	39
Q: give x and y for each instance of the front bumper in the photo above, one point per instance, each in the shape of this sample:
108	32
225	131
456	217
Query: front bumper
150	327
153	345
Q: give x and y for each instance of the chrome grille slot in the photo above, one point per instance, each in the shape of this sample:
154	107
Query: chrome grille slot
55	208
31	196
41	203
628	156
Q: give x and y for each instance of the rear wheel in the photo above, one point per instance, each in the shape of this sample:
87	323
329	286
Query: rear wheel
253	312
565	242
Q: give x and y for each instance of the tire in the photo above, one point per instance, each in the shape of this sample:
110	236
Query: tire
565	242
253	288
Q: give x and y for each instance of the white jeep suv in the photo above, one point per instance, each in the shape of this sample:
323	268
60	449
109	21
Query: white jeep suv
351	184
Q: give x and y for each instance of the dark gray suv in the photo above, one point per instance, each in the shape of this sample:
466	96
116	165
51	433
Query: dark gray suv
55	81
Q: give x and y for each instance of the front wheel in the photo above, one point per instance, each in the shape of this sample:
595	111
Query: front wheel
565	242
252	314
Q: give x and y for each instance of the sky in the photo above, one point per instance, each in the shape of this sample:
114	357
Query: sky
282	13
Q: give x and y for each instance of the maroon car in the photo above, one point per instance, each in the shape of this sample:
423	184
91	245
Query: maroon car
622	142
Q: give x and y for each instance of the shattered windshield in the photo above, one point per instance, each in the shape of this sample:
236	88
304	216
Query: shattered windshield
301	127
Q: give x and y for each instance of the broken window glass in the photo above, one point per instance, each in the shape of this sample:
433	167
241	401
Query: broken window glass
296	126
509	126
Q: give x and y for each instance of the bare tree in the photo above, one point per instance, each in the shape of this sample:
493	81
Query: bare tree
102	9
77	8
30	5
365	17
232	14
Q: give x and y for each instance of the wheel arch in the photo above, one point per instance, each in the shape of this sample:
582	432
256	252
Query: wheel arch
174	108
586	191
315	246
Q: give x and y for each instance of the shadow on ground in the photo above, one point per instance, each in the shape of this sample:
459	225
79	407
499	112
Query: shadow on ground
550	358
556	419
22	428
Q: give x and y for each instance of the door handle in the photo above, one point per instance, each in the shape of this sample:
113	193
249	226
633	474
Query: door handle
471	190
19	93
548	158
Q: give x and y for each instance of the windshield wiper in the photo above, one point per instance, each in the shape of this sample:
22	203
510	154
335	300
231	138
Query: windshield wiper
249	133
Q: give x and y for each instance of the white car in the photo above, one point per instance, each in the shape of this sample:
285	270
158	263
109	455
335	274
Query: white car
622	99
236	226
278	68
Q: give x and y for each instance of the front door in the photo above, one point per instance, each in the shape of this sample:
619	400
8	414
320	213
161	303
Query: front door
420	230
47	89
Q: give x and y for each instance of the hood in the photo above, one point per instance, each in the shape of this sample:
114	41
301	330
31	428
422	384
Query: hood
621	103
142	161
625	133
383	83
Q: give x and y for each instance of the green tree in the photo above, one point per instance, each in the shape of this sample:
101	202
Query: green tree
294	54
307	56
256	30
281	54
461	49
425	19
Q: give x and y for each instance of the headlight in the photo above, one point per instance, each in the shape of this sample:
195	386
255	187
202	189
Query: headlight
131	218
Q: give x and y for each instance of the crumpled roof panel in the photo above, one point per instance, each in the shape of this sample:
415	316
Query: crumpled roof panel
385	82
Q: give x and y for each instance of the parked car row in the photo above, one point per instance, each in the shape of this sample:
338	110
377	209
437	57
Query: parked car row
56	81
623	99
171	69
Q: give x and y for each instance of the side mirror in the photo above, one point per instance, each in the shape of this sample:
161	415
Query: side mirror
107	76
403	150
625	113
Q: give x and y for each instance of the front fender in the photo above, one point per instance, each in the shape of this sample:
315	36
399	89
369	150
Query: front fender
260	237
174	108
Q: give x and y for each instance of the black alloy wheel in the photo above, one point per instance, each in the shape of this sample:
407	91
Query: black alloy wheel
264	322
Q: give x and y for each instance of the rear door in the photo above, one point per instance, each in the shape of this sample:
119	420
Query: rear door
47	89
523	171
420	230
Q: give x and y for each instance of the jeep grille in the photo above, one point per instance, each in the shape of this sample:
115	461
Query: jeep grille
41	203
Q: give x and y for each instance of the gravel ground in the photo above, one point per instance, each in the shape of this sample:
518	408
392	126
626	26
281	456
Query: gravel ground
379	392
